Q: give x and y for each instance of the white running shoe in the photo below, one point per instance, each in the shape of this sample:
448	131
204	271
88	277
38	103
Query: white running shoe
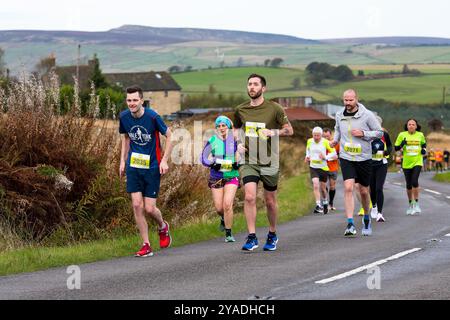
417	208
410	211
374	213
380	218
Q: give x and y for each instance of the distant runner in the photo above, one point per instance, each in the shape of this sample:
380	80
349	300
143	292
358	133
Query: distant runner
333	165
413	143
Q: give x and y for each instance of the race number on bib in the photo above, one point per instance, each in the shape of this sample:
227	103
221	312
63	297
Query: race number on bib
412	151
353	149
378	156
140	161
227	165
252	129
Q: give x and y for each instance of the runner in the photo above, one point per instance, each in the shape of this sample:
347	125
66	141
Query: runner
318	152
381	150
431	160
333	165
413	143
220	154
446	159
356	127
264	122
143	165
439	156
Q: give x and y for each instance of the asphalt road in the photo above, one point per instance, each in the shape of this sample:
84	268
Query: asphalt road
311	249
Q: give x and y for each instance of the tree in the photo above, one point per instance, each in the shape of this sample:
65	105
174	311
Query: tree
315	78
212	89
296	83
240	62
267	62
361	73
97	76
44	65
2	63
435	125
188	69
276	62
405	69
174	69
342	73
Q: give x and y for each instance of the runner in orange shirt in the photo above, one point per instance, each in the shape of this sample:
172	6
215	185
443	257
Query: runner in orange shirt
334	169
439	155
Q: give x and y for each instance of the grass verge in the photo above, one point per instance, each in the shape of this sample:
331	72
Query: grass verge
442	177
294	201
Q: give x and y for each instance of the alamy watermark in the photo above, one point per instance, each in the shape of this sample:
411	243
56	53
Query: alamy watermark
74	280
374	280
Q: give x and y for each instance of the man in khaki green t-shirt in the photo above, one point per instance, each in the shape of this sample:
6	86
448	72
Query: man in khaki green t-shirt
261	122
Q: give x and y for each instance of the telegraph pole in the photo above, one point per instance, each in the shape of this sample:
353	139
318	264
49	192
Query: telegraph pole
78	62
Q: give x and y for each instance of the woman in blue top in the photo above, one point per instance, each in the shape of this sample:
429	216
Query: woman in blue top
221	155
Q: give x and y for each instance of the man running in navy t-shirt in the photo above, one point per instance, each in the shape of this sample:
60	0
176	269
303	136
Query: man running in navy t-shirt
142	161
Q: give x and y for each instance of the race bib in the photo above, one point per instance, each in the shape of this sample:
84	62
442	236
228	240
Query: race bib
353	149
318	162
412	151
378	156
140	161
227	165
252	129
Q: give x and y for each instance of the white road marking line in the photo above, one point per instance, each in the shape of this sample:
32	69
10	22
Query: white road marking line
448	197
448	235
367	267
398	183
434	192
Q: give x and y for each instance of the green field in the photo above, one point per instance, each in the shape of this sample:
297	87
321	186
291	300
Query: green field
422	89
427	88
201	55
443	177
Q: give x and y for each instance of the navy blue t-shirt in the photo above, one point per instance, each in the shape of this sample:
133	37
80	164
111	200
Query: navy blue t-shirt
144	135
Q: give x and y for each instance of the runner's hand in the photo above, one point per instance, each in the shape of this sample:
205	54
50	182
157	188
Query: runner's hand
267	133
357	133
122	170
164	167
241	149
322	157
307	159
333	144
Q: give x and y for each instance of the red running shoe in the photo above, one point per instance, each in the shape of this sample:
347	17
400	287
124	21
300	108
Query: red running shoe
165	240
145	252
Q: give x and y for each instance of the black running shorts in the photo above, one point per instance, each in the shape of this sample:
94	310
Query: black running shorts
360	171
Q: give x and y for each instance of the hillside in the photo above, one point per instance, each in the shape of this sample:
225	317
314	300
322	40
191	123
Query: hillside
136	48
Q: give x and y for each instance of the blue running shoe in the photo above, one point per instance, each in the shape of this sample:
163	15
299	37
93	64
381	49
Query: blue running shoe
367	230
351	231
271	244
251	244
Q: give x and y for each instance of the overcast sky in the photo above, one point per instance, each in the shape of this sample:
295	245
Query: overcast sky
315	19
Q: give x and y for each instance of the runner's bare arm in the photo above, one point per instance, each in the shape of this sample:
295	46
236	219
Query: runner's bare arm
164	167
124	154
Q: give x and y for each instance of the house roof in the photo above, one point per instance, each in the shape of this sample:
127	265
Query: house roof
148	81
305	114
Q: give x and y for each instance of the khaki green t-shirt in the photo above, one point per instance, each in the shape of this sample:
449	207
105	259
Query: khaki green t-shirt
252	120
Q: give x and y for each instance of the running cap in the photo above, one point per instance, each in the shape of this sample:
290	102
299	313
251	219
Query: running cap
225	120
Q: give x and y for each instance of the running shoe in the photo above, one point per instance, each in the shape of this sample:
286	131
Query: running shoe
165	239
333	208
367	228
222	225
374	212
145	252
325	209
230	239
380	218
410	211
351	231
271	244
318	210
417	209
251	244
